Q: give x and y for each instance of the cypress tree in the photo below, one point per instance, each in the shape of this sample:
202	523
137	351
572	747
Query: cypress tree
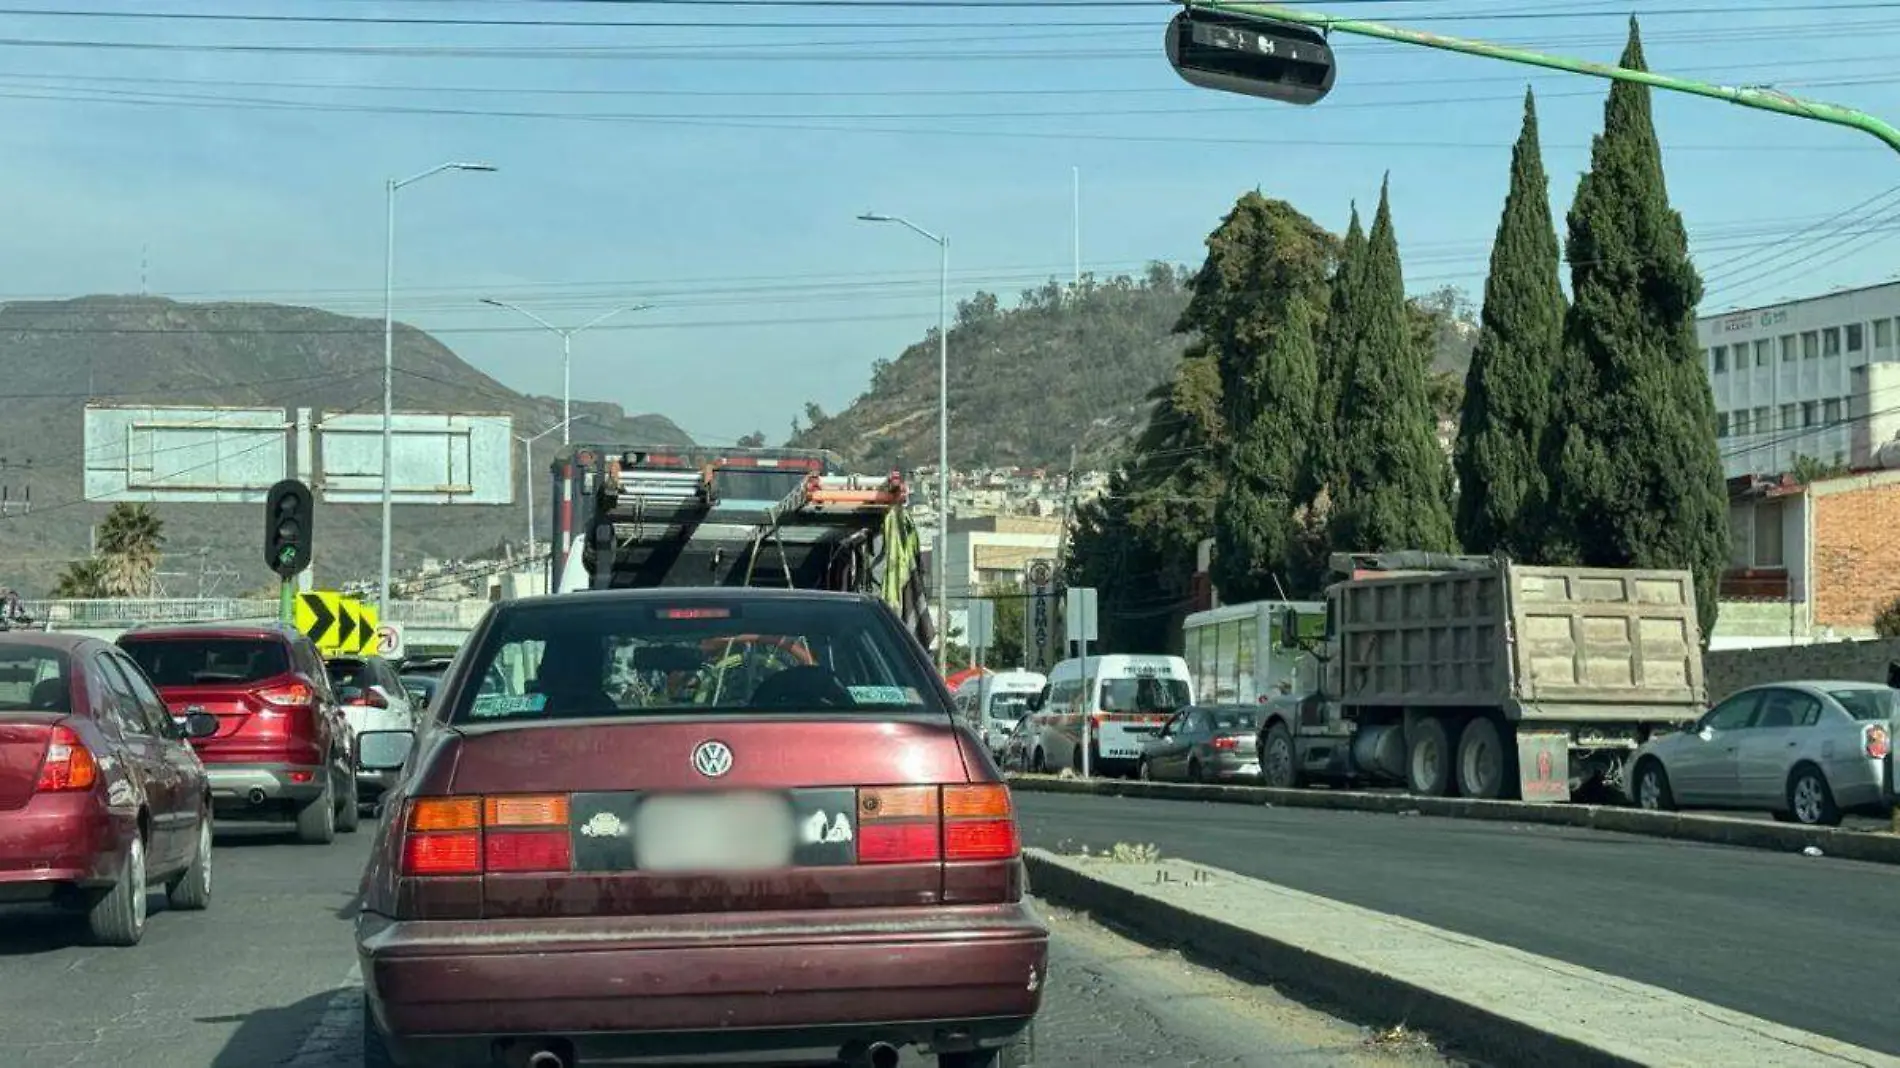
1321	469
1394	494
1634	468
1501	485
1254	309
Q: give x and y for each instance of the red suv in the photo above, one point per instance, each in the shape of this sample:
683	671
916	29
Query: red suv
100	794
282	750
671	822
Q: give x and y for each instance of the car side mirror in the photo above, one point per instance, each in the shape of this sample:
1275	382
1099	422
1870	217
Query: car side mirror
200	725
1707	734
384	750
1289	629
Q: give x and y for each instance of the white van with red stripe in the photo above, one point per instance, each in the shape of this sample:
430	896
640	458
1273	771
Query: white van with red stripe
1124	701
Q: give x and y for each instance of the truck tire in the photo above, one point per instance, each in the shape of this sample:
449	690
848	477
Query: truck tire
1428	758
1278	767
1484	764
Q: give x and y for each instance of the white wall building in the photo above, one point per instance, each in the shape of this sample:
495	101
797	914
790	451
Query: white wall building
1818	377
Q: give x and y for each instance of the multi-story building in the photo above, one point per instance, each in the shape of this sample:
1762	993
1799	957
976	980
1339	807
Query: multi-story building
1816	378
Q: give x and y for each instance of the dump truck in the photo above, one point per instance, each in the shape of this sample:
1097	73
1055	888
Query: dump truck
651	515
1481	677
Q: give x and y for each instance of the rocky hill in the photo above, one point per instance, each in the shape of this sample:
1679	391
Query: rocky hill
55	357
1061	368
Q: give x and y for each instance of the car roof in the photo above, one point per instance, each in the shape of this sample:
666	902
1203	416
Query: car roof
649	594
216	629
63	641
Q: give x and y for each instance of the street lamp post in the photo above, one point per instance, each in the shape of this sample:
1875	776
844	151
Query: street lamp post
567	349
942	550
527	445
390	187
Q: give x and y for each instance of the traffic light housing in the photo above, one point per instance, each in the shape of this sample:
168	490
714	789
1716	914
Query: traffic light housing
1252	55
287	514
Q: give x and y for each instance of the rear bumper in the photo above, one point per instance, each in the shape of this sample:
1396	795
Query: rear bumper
943	977
60	840
237	789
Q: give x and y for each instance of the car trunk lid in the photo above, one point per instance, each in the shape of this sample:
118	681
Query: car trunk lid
23	739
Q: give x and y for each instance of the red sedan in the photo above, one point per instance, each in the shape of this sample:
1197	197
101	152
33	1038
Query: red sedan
635	826
101	795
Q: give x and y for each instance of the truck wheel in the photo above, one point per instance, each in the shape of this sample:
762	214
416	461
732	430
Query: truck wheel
1483	764
1277	767
1428	758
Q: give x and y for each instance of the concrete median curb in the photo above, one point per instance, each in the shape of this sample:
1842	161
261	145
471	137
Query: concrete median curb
1492	1003
1870	846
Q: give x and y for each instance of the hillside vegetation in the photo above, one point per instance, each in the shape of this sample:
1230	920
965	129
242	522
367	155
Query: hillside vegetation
57	356
1066	366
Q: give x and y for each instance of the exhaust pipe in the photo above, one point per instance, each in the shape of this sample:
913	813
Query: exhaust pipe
256	796
882	1055
547	1058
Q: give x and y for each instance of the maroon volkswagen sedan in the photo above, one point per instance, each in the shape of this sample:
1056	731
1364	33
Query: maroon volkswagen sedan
101	795
678	822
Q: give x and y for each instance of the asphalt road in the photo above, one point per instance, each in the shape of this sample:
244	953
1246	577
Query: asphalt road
265	978
1807	942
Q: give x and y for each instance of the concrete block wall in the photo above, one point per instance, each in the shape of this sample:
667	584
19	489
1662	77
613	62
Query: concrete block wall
1728	670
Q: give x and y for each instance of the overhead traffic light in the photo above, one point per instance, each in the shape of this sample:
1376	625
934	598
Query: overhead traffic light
287	515
1250	54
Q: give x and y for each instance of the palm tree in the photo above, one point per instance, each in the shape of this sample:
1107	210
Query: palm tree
129	543
82	580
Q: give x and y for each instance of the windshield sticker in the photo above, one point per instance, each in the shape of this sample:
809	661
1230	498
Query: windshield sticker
496	705
884	695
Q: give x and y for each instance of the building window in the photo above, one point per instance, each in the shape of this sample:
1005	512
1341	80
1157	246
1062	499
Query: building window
1853	337
1761	353
1741	424
1831	341
1721	424
1764	419
1883	333
1831	411
1808	409
1787	348
1789	413
1718	357
1810	345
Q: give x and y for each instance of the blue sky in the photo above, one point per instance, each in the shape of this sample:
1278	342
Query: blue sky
713	166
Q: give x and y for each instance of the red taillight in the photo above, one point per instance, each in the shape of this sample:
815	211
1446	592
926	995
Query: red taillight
459	853
69	764
1227	745
899	825
1877	741
979	823
527	851
289	695
471	835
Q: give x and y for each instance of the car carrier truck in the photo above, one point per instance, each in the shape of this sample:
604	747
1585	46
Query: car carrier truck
1482	677
640	516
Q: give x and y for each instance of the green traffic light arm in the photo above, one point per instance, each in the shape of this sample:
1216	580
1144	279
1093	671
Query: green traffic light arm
1761	99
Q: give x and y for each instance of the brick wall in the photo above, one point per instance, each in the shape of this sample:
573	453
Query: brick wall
1728	670
1856	547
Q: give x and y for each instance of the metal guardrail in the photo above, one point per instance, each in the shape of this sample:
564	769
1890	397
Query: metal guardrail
128	611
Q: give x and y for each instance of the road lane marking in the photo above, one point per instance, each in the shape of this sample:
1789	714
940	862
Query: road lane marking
338	1033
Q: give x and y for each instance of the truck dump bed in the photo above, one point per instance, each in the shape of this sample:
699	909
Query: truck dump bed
784	518
1556	643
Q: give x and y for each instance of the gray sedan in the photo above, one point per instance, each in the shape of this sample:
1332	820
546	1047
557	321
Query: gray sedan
1203	744
1806	751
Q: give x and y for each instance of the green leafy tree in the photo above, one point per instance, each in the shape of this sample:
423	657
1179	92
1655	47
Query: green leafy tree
1322	470
82	580
1254	309
1394	493
1636	478
1501	485
1110	552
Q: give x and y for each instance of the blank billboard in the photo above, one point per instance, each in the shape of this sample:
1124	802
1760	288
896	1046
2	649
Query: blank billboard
438	459
185	455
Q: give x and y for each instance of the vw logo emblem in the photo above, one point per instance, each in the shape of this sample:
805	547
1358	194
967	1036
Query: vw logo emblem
712	759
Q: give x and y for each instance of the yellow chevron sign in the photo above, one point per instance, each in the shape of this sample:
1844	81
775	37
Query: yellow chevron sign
336	622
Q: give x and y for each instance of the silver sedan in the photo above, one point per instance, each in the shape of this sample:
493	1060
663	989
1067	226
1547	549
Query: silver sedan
1807	751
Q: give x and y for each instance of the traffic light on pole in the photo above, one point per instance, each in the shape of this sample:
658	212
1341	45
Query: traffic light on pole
1236	52
287	515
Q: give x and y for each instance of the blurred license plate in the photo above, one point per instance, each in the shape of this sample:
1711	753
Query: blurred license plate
713	832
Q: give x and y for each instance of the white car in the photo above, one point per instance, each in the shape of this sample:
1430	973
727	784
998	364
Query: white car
373	698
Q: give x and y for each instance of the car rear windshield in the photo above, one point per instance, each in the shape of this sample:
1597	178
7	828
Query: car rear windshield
1872	703
32	679
207	661
623	656
350	674
1145	694
1233	720
1009	707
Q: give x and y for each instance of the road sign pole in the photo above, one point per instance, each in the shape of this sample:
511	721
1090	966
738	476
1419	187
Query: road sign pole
287	601
1760	99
